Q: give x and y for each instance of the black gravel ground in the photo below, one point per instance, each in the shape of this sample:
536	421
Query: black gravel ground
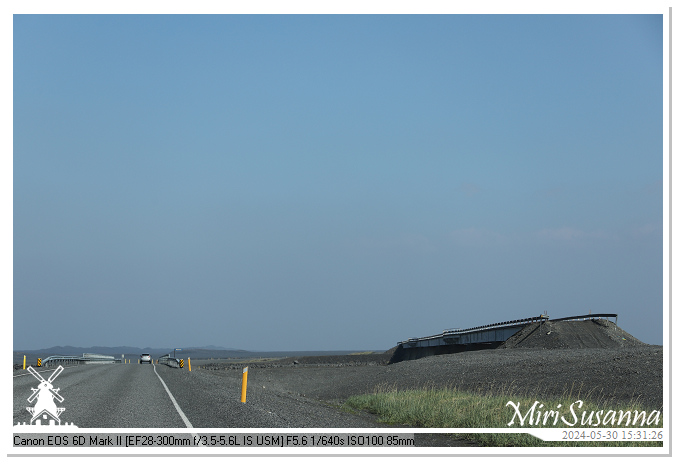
582	359
615	375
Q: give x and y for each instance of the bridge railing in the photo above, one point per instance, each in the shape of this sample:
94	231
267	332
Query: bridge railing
86	358
52	360
497	325
588	317
90	358
168	360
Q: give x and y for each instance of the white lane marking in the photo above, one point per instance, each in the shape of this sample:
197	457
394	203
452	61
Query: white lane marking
179	410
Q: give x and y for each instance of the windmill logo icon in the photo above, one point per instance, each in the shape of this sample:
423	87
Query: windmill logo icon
45	408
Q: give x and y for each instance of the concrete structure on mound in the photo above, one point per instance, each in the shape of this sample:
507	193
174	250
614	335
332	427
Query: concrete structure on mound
588	331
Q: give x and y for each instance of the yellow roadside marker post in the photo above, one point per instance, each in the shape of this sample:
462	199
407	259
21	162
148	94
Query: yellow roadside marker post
39	362
24	362
189	364
244	388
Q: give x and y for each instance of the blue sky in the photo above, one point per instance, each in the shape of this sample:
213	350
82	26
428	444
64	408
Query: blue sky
332	182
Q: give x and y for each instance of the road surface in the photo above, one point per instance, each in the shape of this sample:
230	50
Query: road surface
157	396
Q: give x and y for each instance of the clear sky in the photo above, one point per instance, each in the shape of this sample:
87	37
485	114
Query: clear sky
332	182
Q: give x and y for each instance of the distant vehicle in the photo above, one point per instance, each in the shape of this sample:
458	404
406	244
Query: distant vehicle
145	358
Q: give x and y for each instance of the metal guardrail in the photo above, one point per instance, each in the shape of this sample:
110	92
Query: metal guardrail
86	358
588	317
528	320
91	358
497	325
168	360
506	324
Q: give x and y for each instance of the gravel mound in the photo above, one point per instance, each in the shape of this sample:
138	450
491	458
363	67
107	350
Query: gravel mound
593	333
592	359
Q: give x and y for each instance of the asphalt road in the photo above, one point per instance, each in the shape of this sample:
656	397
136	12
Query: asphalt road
133	396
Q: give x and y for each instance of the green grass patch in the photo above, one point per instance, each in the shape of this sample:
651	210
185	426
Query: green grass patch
452	408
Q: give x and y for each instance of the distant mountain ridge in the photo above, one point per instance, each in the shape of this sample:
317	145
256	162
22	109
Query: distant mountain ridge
108	350
131	352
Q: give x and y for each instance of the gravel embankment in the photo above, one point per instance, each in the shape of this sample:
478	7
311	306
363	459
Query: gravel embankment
581	359
592	333
612	374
